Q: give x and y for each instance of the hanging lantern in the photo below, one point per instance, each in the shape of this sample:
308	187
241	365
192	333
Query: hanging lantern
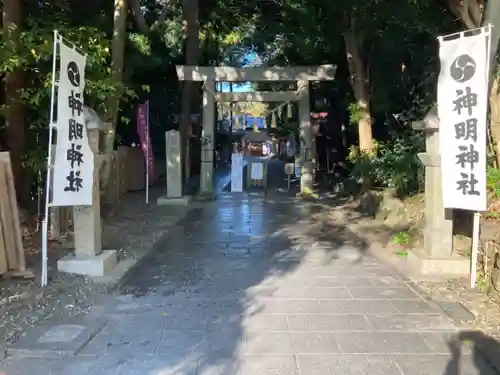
317	119
289	110
255	125
237	124
273	120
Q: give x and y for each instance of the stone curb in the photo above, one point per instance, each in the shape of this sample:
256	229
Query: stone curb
487	347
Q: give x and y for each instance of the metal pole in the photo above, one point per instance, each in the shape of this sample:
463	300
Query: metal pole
475	249
44	279
147	152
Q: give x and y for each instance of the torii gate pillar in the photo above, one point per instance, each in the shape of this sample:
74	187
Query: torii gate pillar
207	139
306	140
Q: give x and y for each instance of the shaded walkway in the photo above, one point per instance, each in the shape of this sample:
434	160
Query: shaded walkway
249	285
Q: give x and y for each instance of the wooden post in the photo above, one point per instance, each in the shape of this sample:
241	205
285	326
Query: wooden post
12	239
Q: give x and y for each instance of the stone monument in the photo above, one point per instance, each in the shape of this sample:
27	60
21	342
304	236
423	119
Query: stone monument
173	170
89	258
437	255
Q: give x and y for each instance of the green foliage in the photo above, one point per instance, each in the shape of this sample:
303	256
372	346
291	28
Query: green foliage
398	48
354	113
33	56
493	181
492	215
393	164
401	238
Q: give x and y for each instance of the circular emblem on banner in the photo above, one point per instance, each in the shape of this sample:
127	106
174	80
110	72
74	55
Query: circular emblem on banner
73	73
463	68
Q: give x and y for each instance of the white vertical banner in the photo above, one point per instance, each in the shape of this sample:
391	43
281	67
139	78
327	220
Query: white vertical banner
74	159
462	110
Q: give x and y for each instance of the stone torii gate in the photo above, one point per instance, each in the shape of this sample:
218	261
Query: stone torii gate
210	75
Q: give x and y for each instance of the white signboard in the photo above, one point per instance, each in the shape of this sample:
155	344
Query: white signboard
257	171
297	169
74	159
462	110
289	168
237	173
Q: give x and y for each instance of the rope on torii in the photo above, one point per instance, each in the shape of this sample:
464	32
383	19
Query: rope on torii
298	93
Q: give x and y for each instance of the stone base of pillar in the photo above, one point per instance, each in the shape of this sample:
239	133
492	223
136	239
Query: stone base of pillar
453	265
180	201
306	181
205	196
97	266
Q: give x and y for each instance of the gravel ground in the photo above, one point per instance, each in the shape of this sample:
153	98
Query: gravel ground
133	231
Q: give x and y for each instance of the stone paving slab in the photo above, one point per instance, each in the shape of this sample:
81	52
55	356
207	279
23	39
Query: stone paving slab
347	364
407	322
332	323
382	342
442	364
28	366
456	310
130	343
270	343
56	339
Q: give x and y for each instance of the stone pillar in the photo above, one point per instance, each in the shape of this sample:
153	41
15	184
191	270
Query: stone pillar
438	229
89	258
436	256
173	164
306	141
87	219
208	139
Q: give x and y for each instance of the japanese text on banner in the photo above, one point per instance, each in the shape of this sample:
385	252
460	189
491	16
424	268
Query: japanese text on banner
74	159
462	109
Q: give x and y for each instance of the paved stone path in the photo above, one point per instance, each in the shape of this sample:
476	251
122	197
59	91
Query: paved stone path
247	286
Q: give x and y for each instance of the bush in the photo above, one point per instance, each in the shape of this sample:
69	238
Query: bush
493	181
393	164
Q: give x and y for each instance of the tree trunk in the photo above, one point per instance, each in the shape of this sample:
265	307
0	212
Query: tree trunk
14	119
191	28
492	15
117	56
359	82
495	119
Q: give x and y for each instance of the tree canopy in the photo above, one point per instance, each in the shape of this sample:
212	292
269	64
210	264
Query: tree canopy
385	50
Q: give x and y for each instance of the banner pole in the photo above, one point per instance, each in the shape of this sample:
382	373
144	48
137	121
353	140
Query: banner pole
45	227
475	249
147	152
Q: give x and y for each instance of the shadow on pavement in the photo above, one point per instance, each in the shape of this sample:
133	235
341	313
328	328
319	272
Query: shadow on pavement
484	349
212	277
